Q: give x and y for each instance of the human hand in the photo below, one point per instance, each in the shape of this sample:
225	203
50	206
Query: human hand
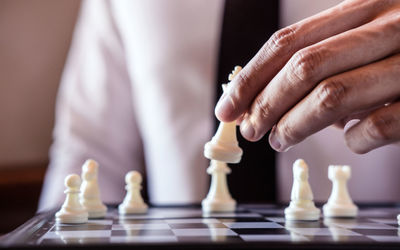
340	64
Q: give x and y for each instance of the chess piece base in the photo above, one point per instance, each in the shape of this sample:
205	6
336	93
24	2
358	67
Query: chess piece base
340	211
66	217
301	213
210	206
228	154
129	209
95	209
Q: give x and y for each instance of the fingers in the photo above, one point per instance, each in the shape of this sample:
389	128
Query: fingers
310	65
380	128
349	94
283	44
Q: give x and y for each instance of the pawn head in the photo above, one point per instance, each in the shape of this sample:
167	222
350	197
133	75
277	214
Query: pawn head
72	181
90	166
89	170
339	172
133	177
300	170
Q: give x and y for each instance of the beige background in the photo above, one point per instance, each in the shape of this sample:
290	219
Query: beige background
35	37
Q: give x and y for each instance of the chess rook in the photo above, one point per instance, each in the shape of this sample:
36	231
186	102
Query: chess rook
339	203
133	202
72	211
224	145
301	205
90	192
218	198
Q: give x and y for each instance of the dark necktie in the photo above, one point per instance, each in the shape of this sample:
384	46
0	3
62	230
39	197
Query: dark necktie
247	25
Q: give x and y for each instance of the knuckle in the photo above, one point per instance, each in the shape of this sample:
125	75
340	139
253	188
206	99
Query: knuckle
331	95
289	133
263	109
282	41
242	88
378	128
306	63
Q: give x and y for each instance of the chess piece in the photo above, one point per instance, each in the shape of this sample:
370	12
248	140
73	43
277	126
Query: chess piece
218	198
72	211
90	192
133	202
224	145
301	205
398	220
339	203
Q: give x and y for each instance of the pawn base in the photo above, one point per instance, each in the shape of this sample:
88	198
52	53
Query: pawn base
300	213
129	209
65	217
95	209
210	206
215	151
349	211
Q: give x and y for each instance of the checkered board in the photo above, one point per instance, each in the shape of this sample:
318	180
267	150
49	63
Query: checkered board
263	224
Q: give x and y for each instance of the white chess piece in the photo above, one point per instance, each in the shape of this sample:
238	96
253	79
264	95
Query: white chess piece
90	192
218	198
72	211
224	145
398	220
339	203
301	205
133	202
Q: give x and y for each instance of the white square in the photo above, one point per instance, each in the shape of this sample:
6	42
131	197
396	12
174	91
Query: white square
144	238
195	220
152	226
276	237
78	234
204	232
323	231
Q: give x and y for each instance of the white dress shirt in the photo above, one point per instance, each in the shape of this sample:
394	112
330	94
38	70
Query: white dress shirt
137	92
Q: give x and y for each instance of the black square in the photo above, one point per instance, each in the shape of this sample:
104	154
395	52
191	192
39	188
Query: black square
242	231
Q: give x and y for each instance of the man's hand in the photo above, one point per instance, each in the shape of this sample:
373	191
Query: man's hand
340	64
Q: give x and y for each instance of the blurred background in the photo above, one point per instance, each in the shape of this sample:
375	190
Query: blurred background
35	37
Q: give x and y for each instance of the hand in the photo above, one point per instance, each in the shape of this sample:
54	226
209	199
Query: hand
340	64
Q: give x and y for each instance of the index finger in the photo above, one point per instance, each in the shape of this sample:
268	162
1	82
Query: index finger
282	45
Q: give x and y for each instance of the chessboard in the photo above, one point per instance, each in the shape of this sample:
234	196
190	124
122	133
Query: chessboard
250	226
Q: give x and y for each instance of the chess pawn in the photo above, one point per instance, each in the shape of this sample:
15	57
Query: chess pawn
218	198
398	220
90	193
301	205
224	145
72	211
339	203
133	202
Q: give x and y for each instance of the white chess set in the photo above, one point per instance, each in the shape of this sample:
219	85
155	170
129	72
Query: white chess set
83	199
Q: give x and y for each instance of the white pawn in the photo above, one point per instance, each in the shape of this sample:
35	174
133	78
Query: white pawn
398	219
218	199
339	203
72	211
133	202
224	145
90	192
301	205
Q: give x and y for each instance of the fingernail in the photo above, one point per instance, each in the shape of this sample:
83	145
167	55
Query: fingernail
247	130
273	141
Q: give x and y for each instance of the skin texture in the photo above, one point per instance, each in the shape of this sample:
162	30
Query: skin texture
339	65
